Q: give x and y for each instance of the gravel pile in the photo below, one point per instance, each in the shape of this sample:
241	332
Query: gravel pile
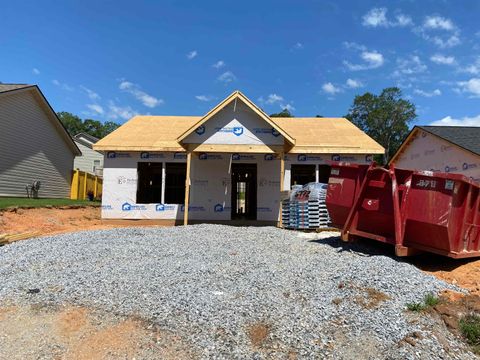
238	292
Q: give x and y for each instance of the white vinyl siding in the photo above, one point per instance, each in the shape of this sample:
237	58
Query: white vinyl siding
86	162
31	148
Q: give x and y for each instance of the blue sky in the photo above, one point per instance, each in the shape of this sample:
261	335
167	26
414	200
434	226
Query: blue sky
110	60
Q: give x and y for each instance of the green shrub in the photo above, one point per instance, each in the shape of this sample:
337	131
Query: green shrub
470	328
415	306
431	300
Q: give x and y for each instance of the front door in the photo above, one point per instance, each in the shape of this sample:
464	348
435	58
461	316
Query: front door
244	191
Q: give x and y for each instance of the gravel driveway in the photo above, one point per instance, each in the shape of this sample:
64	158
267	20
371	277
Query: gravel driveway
238	292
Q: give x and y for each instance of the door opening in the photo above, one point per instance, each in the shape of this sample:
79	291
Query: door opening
244	191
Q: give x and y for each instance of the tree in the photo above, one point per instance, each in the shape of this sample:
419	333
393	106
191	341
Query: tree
72	123
284	113
384	117
75	125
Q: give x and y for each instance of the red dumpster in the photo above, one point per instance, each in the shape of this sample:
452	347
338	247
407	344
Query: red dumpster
418	210
440	213
343	187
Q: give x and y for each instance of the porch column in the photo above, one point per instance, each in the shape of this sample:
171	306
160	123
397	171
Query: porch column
282	176
187	189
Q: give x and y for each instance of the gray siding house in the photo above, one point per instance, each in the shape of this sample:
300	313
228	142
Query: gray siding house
90	161
34	145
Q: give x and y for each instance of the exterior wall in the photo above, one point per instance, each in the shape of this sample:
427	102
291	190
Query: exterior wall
31	149
238	125
210	192
429	152
86	161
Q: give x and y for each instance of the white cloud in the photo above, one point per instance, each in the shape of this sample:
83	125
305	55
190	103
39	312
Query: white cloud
354	46
473	68
61	85
297	46
36	71
465	121
227	77
440	31
442	59
204	97
372	60
471	86
331	89
122	112
273	98
219	64
377	17
433	93
289	107
436	22
146	99
96	108
353	84
91	94
409	66
192	54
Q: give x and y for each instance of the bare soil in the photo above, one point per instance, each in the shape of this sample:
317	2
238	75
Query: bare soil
33	332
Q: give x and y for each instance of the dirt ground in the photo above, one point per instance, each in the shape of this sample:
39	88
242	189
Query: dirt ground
50	221
81	334
33	332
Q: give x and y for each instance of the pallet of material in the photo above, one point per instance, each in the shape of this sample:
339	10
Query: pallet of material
10	238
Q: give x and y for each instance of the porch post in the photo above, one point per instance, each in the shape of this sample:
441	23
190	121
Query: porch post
282	175
187	189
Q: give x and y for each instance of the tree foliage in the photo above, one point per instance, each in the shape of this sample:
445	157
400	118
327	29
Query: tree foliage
384	117
75	125
283	113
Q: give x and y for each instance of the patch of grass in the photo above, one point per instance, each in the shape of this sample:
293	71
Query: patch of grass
429	301
470	329
35	203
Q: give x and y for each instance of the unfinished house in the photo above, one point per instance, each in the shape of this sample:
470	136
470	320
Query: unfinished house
229	165
450	149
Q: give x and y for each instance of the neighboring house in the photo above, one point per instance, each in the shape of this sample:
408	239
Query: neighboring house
90	161
34	145
236	161
451	149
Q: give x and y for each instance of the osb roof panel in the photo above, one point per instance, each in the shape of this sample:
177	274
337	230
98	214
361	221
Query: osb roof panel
161	133
327	132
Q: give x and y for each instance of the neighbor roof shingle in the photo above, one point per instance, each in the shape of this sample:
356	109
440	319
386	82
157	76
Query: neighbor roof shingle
467	137
10	87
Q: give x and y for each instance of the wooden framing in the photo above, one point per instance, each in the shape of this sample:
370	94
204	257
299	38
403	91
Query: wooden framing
237	95
282	179
229	148
187	189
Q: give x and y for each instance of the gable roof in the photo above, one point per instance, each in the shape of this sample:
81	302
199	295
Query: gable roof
7	89
85	139
307	135
465	137
233	97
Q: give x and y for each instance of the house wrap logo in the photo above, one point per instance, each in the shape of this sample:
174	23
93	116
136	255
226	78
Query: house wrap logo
338	157
200	130
242	157
368	158
235	130
129	207
304	157
467	166
149	155
450	168
179	156
218	208
192	208
163	207
269	157
114	154
205	156
122	180
271	131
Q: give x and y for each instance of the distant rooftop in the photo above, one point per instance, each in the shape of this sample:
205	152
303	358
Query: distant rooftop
10	87
467	137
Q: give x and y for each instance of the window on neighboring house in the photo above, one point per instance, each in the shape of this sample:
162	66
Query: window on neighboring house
175	175
149	183
96	165
302	174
